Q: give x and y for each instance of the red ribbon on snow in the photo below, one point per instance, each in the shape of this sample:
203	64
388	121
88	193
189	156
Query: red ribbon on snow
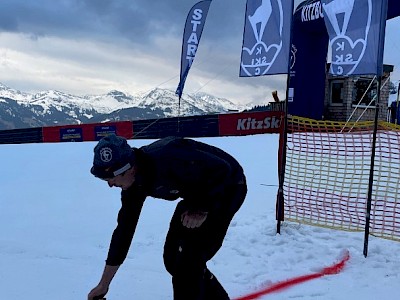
335	269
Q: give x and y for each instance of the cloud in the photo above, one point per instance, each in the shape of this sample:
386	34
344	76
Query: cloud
138	21
93	46
124	44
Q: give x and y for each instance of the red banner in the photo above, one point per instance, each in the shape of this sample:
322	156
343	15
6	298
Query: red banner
250	123
86	132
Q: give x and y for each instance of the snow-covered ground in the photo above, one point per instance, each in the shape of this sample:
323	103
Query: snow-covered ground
56	221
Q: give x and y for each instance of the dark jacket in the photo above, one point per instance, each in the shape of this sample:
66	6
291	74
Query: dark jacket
169	169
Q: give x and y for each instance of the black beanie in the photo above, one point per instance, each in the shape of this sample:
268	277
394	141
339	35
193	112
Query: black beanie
112	157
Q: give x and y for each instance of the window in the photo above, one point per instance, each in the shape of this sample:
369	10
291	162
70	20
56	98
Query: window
337	94
364	92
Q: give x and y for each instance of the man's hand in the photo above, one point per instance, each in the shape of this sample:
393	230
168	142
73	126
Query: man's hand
102	288
98	292
193	219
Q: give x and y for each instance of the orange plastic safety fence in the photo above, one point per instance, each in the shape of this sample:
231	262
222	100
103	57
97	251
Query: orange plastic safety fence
328	170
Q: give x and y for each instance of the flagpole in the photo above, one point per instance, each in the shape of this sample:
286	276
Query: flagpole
397	105
379	72
371	171
283	152
280	201
179	115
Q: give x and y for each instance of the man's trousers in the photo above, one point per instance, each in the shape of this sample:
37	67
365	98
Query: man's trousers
187	250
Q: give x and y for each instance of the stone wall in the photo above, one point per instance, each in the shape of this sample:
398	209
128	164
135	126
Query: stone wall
346	111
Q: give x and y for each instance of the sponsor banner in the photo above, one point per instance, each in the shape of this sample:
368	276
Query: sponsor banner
102	131
71	135
266	38
191	38
192	126
21	136
356	31
250	123
86	132
308	61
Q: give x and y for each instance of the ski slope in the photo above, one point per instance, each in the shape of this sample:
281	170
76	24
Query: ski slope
56	222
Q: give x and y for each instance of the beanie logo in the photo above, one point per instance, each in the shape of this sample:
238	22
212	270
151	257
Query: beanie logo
106	154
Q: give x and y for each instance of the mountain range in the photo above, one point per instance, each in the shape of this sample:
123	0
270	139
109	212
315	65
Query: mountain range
50	108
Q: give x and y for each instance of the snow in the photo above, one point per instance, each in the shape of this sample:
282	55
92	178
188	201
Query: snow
116	100
56	221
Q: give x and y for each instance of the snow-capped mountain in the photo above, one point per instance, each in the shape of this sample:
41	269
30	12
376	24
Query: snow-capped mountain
48	108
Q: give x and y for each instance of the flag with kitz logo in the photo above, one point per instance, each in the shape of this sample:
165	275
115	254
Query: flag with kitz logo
191	37
356	31
266	38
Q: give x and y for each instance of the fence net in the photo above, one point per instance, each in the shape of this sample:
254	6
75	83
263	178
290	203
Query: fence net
327	175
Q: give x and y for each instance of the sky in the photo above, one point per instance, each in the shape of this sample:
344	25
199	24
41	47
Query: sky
95	46
56	221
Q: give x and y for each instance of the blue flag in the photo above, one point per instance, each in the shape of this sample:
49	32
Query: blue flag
356	31
266	38
191	37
